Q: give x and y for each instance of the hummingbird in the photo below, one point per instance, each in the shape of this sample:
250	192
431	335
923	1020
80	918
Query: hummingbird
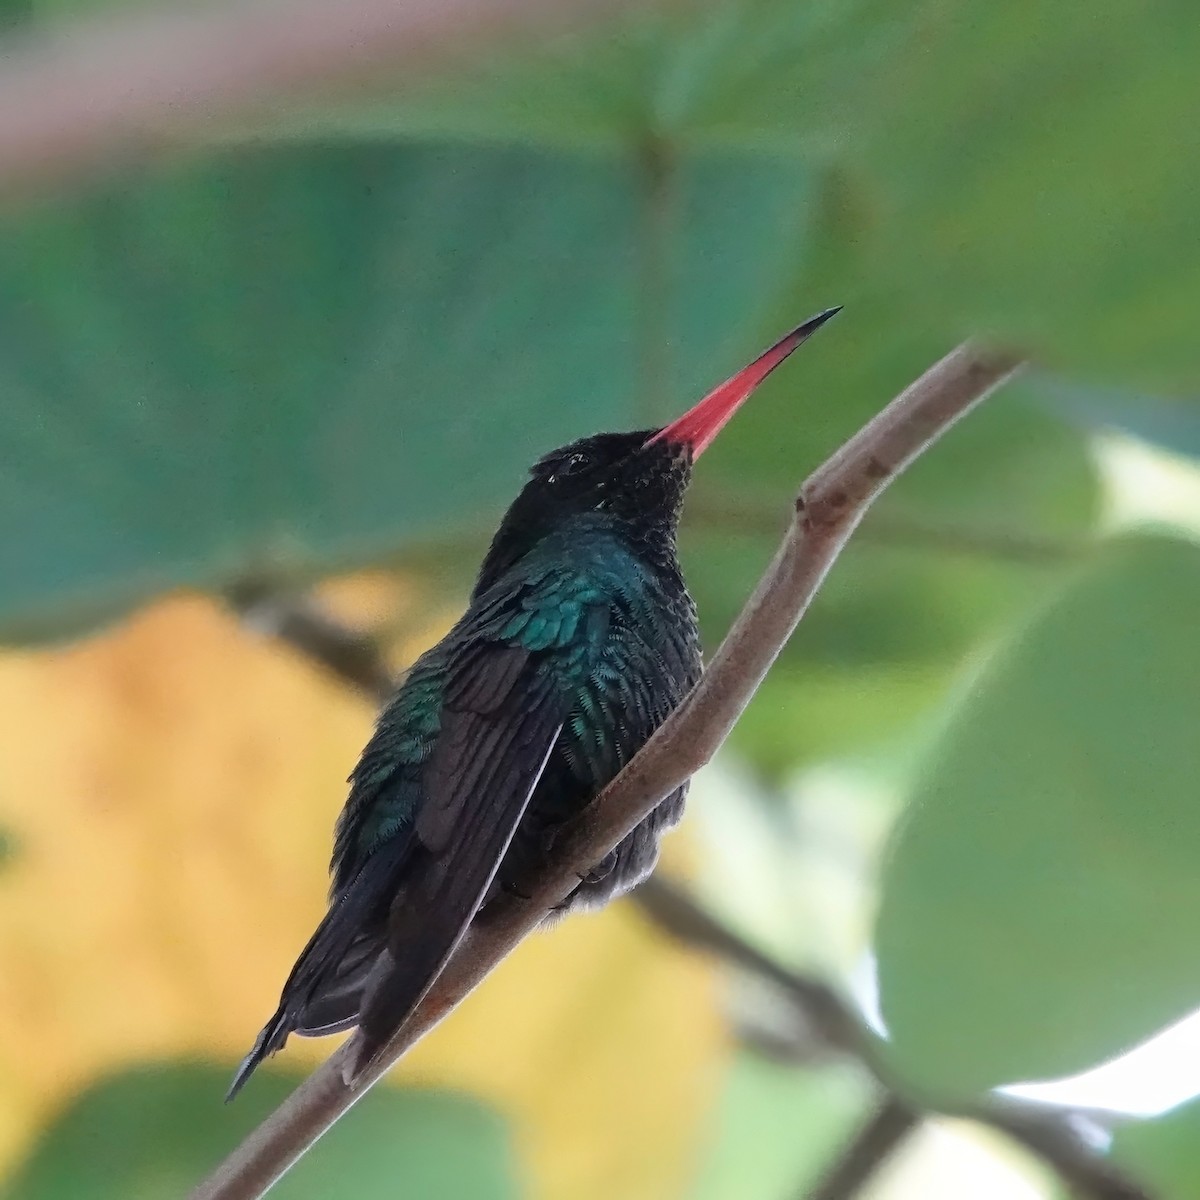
579	639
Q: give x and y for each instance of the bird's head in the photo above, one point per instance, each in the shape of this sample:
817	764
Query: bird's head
638	478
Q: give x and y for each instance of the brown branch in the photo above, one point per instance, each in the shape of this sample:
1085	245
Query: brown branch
351	655
820	1006
885	1131
1055	1138
1048	1134
830	504
105	88
885	527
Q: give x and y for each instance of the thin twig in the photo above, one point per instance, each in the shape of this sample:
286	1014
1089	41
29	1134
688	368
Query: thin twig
1046	1133
829	507
116	86
351	655
909	531
883	1133
822	1009
1052	1135
1057	1139
1049	1134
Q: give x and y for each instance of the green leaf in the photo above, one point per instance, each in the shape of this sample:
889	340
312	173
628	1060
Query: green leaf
752	73
291	360
152	1133
1164	1153
1029	923
878	649
957	547
1035	188
776	1127
1024	162
1172	424
805	714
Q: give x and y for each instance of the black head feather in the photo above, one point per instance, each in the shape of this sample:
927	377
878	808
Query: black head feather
619	481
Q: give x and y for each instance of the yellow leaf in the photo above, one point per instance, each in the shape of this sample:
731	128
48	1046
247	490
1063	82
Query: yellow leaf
171	788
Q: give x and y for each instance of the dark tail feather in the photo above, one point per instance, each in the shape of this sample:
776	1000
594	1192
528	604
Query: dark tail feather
446	887
333	1010
274	1034
323	992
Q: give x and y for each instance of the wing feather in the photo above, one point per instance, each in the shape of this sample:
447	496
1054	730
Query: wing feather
502	716
436	800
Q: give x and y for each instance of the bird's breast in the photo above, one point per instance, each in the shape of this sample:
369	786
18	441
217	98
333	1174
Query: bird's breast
648	662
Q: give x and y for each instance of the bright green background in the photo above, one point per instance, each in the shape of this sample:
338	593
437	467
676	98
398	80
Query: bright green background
438	1145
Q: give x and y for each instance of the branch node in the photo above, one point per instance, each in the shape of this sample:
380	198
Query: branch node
876	468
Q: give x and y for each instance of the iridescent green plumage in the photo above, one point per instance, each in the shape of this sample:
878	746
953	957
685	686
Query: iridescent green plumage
589	615
579	640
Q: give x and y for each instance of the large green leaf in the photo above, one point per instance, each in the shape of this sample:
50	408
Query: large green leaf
754	73
1029	165
1030	918
296	359
959	545
1031	156
1173	424
289	360
776	1128
1164	1153
151	1134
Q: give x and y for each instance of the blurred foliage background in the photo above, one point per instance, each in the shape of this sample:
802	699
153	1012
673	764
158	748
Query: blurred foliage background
317	349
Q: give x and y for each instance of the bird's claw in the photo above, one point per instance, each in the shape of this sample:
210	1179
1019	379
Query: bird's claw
602	870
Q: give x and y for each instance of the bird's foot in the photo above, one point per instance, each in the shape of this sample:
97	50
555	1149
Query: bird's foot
602	870
511	889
